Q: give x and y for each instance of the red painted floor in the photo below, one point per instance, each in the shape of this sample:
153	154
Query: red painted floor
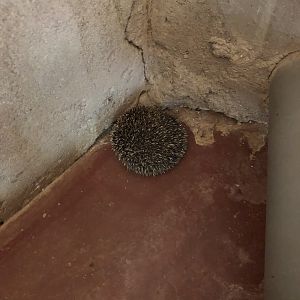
100	232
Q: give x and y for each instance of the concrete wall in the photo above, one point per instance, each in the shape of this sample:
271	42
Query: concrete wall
65	69
216	54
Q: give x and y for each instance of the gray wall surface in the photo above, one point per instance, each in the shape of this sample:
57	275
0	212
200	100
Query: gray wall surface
216	54
65	69
67	66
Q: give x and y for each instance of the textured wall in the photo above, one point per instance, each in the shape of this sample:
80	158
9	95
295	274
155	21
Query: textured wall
65	69
215	54
66	66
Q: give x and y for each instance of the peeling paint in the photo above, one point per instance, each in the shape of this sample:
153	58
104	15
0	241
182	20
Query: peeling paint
205	124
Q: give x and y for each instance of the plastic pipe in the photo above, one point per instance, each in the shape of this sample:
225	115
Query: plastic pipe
282	259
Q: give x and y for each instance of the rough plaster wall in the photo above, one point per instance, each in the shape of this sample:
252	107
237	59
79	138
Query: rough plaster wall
215	54
67	66
65	69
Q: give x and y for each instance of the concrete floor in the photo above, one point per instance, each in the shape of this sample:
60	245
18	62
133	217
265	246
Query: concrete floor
100	232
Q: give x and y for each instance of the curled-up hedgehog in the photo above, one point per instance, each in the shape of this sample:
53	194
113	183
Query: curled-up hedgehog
148	141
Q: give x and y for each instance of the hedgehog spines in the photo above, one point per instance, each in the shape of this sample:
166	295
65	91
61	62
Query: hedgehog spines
148	141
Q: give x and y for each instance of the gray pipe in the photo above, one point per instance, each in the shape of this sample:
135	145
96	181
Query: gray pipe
282	265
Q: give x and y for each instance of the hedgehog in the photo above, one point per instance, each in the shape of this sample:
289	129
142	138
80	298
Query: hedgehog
148	141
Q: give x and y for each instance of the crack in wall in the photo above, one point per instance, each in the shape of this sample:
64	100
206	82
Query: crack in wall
133	44
144	46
